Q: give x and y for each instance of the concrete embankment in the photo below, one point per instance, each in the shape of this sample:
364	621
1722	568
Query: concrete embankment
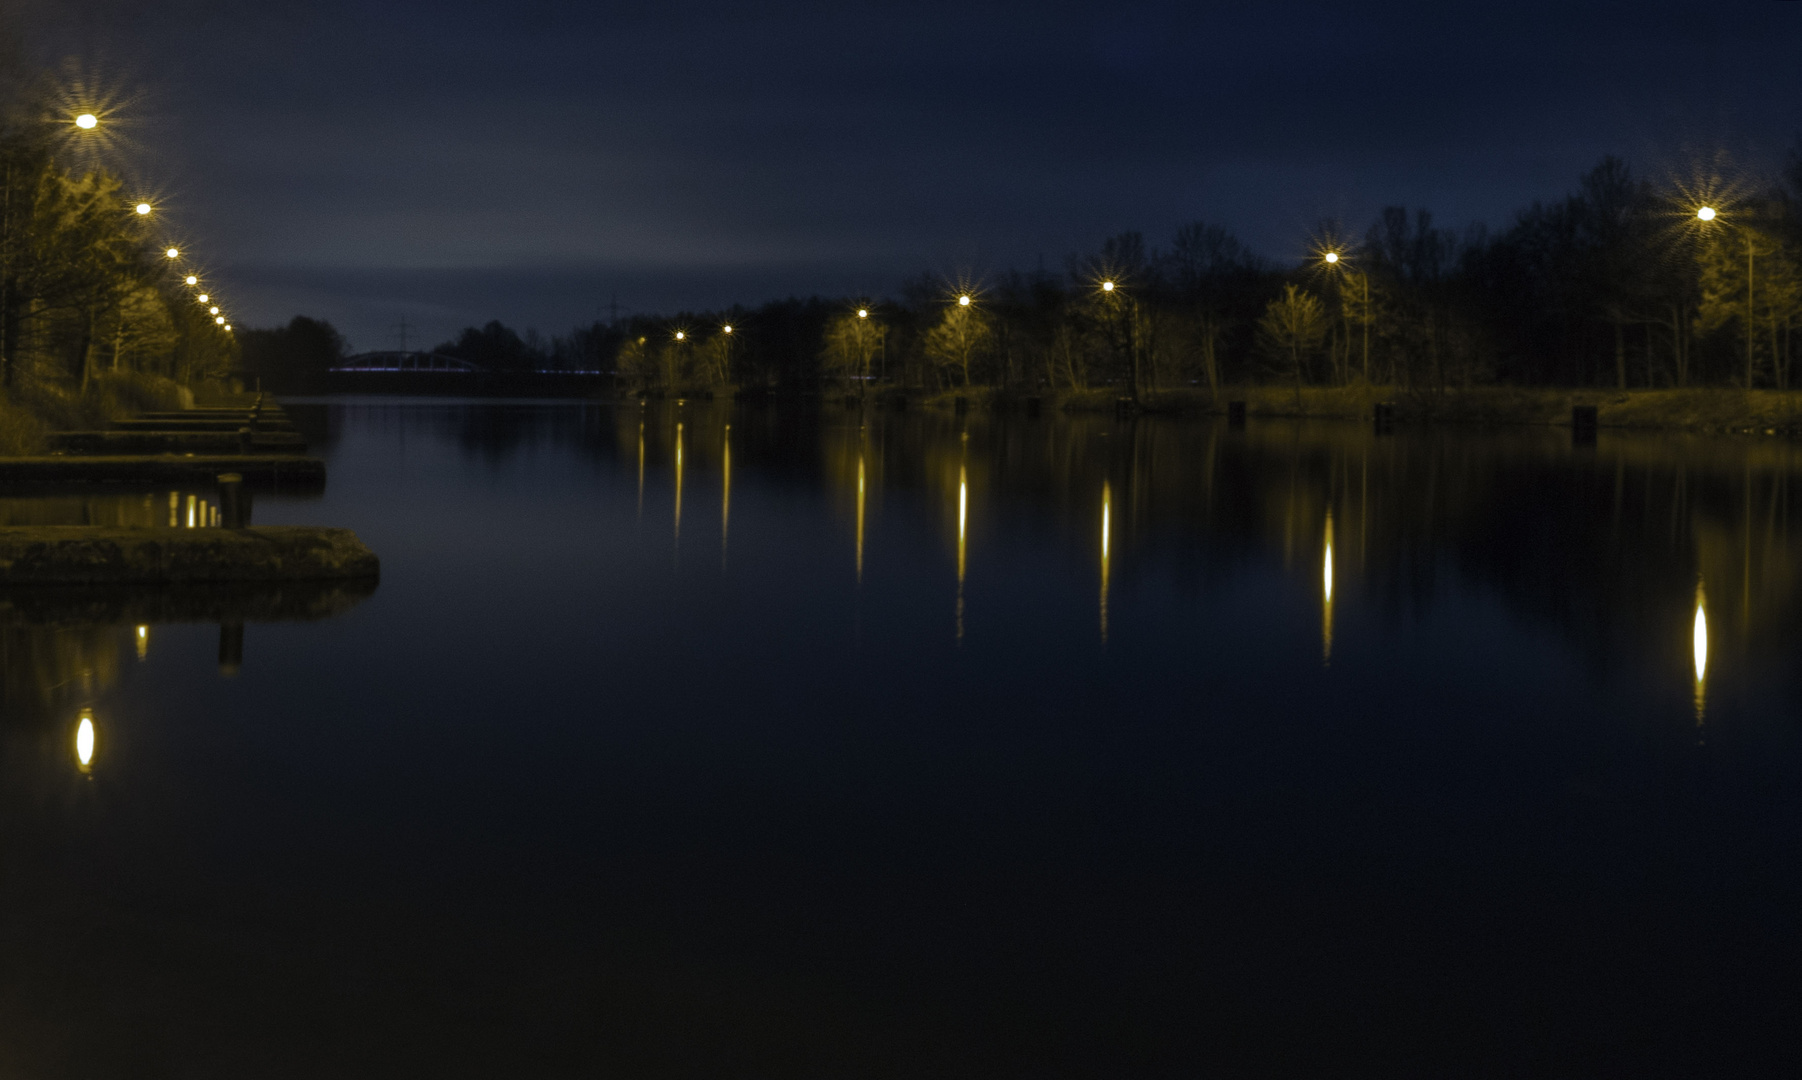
187	602
282	471
84	554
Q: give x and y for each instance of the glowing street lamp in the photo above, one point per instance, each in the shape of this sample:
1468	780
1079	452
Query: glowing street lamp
203	298
173	253
864	313
212	310
228	328
1107	286
681	336
143	208
964	300
727	329
87	121
1707	214
1331	257
192	280
220	319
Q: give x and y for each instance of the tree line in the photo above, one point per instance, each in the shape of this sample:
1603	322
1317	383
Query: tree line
1623	282
86	289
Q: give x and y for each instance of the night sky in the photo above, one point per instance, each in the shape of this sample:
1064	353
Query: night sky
448	163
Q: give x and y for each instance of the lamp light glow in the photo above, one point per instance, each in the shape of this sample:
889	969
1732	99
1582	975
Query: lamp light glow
863	313
680	335
220	319
213	310
143	208
1332	257
173	253
192	280
86	121
203	298
964	300
727	328
1706	213
84	740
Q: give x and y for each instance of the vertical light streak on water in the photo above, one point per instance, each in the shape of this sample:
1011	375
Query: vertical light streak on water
1326	608
860	497
678	534
1699	642
84	741
1107	501
725	493
963	507
641	470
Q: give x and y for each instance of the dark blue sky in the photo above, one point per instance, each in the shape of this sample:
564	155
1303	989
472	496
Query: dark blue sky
447	163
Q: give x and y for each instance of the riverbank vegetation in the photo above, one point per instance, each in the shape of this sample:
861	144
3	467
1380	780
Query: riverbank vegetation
98	314
1624	284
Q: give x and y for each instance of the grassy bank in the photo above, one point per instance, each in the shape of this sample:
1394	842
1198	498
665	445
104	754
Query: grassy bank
31	410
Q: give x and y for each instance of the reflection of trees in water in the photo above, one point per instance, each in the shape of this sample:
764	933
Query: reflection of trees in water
47	672
1606	543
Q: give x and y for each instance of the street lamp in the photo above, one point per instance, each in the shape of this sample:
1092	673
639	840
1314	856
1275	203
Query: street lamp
726	328
863	313
680	336
964	300
192	280
220	319
203	298
213	310
1109	290
143	208
1331	259
173	253
1707	214
1107	286
87	121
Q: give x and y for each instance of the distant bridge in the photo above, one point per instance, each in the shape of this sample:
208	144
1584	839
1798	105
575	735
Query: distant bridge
409	361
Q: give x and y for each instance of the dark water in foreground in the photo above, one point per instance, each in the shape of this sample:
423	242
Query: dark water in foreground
997	747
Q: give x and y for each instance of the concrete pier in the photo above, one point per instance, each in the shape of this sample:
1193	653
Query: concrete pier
92	555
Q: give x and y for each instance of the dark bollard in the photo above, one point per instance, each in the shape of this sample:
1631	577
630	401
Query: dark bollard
1235	414
231	649
961	404
1385	417
234	502
1583	422
1032	407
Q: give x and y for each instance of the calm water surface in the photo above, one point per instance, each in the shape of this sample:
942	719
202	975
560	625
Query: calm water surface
720	742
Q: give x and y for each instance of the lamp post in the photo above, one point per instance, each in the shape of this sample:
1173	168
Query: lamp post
1707	214
1111	289
1336	263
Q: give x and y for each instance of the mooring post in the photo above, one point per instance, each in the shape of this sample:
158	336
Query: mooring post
1235	414
234	501
231	649
1583	422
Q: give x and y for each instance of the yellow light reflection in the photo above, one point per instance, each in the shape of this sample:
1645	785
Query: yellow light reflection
143	642
1326	611
641	470
678	483
174	509
192	504
1699	641
963	514
84	741
725	491
860	497
1107	502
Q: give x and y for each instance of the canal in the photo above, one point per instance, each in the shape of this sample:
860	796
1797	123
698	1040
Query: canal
690	739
